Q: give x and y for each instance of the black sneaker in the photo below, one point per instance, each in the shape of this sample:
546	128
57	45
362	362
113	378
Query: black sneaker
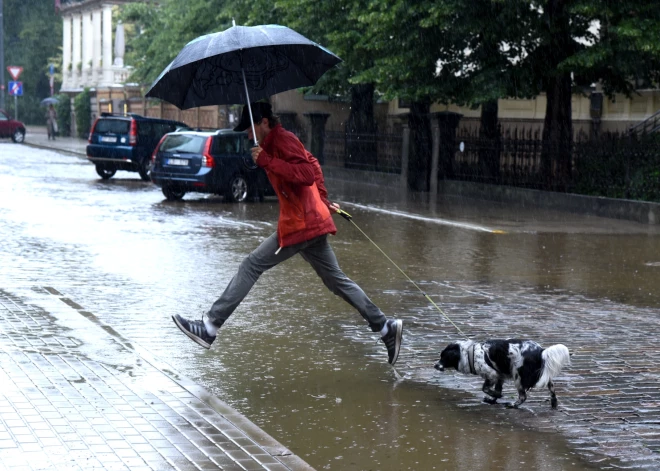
392	339
195	330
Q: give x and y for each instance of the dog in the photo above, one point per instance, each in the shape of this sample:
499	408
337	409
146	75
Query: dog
525	362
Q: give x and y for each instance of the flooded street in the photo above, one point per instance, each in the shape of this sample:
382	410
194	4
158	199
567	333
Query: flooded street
300	363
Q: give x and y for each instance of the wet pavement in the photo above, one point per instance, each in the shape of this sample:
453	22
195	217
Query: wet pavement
64	405
77	395
324	388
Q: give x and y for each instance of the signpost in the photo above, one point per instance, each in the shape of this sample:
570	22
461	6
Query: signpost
15	88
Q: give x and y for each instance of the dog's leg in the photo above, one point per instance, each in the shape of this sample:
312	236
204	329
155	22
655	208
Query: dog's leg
553	396
522	397
498	388
493	393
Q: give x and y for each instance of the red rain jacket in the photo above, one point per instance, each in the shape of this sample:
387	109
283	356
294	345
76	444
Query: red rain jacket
297	179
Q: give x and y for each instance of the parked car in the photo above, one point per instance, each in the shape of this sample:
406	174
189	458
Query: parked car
217	162
11	127
126	142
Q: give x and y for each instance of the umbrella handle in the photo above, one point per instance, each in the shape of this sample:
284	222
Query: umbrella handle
247	95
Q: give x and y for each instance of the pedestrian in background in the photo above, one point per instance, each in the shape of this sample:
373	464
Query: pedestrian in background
51	121
304	223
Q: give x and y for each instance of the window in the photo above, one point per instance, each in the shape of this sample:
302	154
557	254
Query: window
145	129
226	145
183	143
163	128
112	126
247	143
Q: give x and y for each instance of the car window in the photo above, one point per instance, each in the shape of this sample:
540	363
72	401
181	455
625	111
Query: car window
247	143
226	145
183	143
165	128
145	128
112	126
3	116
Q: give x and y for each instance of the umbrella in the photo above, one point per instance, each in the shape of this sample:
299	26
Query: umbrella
49	101
240	65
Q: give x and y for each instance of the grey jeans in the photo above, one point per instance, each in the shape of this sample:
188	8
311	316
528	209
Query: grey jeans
318	253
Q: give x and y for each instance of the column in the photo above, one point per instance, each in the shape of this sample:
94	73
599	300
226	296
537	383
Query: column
77	52
96	46
86	48
435	159
106	29
447	123
66	51
405	153
317	134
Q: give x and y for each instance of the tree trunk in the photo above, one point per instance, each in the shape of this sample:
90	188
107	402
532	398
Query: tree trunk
361	149
489	133
557	134
419	163
558	124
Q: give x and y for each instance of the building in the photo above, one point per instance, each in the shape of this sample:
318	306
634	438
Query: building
90	56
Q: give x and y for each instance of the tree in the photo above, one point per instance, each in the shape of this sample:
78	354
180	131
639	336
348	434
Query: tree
32	35
404	50
83	108
333	24
160	30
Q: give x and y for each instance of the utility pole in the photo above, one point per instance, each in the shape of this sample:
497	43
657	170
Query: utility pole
2	55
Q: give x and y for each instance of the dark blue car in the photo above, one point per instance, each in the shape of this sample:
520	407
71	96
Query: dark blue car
217	162
126	142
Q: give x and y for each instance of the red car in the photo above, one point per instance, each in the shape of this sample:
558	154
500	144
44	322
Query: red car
11	128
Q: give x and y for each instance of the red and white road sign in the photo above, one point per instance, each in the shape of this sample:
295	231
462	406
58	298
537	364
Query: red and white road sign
14	71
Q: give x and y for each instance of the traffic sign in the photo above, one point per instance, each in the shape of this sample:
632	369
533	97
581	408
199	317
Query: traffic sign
15	71
16	88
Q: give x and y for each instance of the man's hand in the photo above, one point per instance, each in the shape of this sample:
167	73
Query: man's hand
334	207
255	153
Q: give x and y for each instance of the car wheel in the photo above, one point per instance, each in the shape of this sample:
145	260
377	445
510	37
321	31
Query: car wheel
173	193
18	136
144	170
105	173
238	190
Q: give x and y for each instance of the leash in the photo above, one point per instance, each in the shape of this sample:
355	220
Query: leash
349	218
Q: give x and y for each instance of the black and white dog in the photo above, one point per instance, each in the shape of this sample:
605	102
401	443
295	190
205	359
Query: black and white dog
525	362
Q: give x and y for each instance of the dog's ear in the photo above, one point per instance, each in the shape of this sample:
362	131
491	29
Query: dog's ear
451	356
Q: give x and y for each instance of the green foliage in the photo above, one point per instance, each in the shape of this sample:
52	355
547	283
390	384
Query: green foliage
157	32
32	36
83	110
63	109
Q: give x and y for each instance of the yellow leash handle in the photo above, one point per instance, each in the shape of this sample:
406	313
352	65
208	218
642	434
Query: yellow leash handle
344	214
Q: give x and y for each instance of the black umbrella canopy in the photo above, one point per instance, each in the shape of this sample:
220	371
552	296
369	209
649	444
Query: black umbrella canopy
210	69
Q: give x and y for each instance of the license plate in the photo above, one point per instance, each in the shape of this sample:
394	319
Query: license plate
177	162
108	139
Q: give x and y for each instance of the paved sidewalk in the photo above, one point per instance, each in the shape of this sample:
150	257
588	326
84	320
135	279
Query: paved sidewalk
76	395
37	136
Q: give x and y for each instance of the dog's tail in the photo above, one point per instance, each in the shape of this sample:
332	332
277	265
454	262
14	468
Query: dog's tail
554	359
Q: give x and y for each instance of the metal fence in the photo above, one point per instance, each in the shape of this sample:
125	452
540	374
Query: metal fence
619	165
512	158
376	152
